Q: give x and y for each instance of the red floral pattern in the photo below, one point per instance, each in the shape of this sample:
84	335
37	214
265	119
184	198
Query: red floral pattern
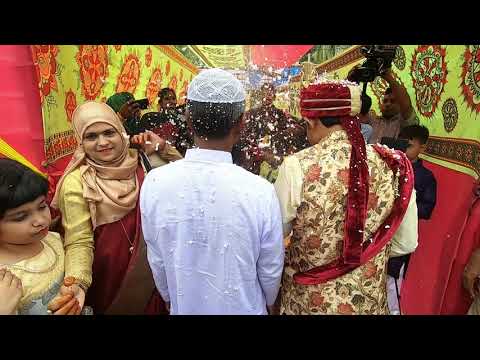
129	75
369	270
314	242
316	299
183	93
429	75
44	59
173	83
154	85
93	63
344	175
471	77
372	201
345	309
148	57
313	173
70	104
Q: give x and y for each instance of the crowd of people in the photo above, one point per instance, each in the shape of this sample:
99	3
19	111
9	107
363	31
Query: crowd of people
211	209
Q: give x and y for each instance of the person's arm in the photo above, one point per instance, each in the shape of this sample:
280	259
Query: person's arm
427	202
272	252
288	187
402	98
154	255
471	274
10	292
155	147
79	237
405	240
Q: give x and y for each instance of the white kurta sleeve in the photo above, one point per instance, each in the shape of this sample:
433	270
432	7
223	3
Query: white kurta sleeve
154	254
288	187
405	240
272	251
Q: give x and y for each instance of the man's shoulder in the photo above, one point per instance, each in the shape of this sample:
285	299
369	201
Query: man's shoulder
426	172
161	171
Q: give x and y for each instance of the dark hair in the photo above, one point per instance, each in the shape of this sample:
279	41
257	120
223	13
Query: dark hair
19	185
388	91
418	132
366	104
330	121
164	92
214	120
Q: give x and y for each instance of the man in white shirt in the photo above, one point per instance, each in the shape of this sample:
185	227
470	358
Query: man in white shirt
213	230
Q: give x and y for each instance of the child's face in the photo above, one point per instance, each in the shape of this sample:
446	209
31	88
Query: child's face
414	149
26	224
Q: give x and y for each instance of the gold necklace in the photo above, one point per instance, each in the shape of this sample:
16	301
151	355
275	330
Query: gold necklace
128	237
35	271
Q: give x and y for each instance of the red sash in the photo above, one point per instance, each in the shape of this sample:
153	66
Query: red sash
398	163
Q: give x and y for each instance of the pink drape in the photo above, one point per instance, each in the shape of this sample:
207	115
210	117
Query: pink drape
21	124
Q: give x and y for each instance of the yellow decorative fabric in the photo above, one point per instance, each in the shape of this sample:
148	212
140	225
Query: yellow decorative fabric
312	189
41	276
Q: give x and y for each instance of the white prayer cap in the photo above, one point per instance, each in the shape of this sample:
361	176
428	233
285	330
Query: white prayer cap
216	86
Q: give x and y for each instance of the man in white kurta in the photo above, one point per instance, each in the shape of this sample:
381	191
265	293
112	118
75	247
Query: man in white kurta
213	230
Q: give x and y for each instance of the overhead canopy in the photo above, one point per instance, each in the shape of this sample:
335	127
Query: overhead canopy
222	56
239	57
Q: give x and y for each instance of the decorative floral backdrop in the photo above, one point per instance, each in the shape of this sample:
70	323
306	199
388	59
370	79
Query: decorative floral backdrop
68	75
443	82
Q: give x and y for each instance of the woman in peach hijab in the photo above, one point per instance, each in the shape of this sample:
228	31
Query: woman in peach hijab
98	199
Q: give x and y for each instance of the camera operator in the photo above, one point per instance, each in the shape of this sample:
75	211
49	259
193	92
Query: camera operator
396	107
397	111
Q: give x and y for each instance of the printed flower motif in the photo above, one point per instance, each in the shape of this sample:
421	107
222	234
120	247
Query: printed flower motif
183	93
93	63
344	175
343	292
44	58
345	309
173	83
316	299
148	57
372	201
369	270
70	104
314	242
129	75
154	85
313	173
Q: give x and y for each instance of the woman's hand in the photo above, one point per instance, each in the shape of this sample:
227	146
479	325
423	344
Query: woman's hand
10	292
149	141
69	300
